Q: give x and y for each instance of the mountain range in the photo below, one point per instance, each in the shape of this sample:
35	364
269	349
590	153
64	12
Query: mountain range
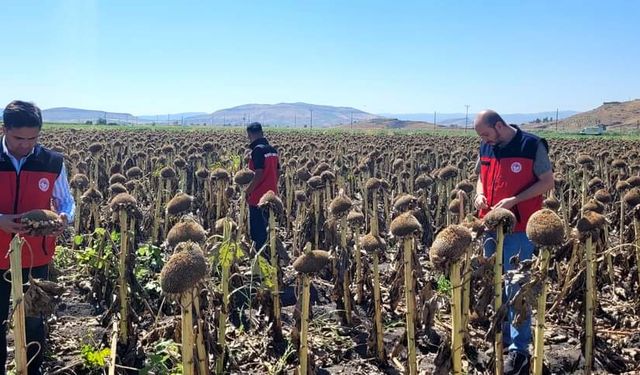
282	114
77	115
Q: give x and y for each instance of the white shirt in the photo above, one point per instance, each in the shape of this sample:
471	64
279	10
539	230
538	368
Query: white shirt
63	201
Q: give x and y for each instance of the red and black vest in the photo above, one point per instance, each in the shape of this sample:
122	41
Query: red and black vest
507	171
30	189
263	156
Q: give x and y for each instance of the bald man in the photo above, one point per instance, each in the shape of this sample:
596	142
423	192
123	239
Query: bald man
514	172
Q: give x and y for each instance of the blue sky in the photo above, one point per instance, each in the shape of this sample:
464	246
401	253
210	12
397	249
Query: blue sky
152	57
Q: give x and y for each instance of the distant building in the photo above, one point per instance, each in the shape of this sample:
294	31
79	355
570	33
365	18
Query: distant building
594	130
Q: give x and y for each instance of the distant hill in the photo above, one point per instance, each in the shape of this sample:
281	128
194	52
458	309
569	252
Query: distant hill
65	114
615	115
458	119
284	114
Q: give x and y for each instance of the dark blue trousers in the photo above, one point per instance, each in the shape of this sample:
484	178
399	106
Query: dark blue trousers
514	337
258	223
34	325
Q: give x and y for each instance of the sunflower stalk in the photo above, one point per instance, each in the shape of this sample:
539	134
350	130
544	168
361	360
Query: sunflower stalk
327	197
227	252
113	349
636	224
444	201
304	330
203	358
19	328
359	275
95	215
277	322
568	275
306	264
186	302
441	198
378	309
157	212
242	224
122	278
315	195
497	297
410	306
346	279
387	209
456	324
376	285
289	198
76	219
466	278
538	356
583	188
589	306
608	256
621	232
183	180
365	199
375	227
219	198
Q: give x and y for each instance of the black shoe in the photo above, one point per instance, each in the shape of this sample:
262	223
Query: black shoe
516	363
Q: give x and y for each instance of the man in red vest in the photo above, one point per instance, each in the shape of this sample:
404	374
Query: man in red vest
265	163
32	177
514	172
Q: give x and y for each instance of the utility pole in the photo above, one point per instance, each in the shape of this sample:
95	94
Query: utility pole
466	118
434	120
295	120
311	119
351	120
168	119
556	119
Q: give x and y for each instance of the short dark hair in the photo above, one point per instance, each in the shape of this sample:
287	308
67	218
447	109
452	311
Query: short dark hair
254	128
20	114
492	118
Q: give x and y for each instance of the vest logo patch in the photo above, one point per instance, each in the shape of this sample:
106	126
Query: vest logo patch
516	167
43	184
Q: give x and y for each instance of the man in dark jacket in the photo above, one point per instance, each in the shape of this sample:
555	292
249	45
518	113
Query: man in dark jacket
514	172
264	163
32	178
